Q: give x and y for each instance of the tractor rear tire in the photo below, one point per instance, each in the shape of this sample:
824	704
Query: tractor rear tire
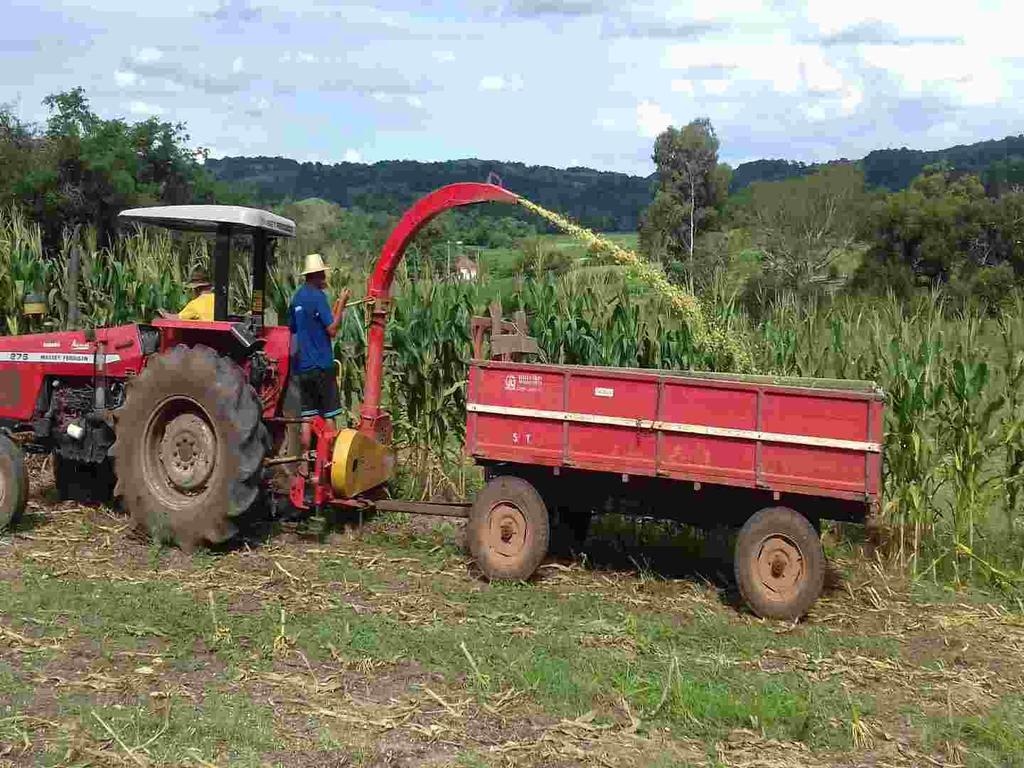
288	440
13	483
508	529
190	447
779	563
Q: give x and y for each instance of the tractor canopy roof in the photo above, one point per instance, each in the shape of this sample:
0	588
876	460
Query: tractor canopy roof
208	218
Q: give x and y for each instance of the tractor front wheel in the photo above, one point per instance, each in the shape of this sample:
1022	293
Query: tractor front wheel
13	482
190	447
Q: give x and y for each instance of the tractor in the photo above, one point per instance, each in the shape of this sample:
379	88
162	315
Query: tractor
188	423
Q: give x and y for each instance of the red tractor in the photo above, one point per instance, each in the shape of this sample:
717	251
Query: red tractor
181	419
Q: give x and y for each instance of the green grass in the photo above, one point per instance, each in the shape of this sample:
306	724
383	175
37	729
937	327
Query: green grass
223	727
995	738
573	653
400	607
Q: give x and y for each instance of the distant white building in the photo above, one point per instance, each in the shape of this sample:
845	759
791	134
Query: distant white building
466	268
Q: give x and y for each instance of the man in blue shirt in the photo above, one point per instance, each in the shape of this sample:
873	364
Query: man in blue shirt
313	325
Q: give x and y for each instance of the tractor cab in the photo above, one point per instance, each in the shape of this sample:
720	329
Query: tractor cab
226	222
262	351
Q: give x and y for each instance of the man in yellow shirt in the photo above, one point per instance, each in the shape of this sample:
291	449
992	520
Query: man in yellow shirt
201	305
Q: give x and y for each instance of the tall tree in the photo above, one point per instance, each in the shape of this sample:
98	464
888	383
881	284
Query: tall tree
85	169
932	226
803	225
691	186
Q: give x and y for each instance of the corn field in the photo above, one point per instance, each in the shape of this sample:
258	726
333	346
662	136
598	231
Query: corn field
954	442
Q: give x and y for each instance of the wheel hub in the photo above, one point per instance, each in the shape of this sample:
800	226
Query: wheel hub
780	567
507	531
187	452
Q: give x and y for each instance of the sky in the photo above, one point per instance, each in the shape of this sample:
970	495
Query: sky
544	82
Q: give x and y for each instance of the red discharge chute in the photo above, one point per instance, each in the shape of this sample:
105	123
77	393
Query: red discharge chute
379	287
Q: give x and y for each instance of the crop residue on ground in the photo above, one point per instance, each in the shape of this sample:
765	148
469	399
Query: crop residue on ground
312	646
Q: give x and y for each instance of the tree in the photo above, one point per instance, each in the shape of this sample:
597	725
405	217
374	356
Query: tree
84	169
691	186
16	147
931	226
803	225
70	116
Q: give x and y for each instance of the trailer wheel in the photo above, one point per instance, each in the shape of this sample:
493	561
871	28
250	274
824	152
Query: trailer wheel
508	529
779	563
189	447
13	482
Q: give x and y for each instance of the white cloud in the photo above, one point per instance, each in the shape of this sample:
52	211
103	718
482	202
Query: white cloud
444	56
815	112
907	18
682	86
957	72
124	79
851	99
145	110
716	87
605	123
651	119
492	83
500	83
304	57
414	101
237	64
285	57
818	74
148	55
774	60
353	156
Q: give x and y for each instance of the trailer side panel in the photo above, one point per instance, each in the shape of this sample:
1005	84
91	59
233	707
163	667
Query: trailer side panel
748	433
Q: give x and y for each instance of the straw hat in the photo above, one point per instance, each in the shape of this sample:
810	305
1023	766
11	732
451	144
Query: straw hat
314	263
198	280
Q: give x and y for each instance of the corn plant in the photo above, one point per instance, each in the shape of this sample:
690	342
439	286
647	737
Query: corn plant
426	381
22	267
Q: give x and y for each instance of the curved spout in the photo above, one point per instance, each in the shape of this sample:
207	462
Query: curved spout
372	421
426	208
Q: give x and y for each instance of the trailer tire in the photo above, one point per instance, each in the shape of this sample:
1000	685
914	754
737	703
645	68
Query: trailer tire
508	529
779	563
13	482
189	447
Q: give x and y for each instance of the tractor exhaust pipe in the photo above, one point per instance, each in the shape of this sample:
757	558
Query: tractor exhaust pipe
99	369
101	375
74	268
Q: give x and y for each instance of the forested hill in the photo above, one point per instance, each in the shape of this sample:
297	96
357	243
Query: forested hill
894	169
606	201
610	202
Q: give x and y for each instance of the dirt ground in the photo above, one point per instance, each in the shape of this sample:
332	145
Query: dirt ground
306	645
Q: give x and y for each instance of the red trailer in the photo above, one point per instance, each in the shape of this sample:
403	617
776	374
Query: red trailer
768	455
